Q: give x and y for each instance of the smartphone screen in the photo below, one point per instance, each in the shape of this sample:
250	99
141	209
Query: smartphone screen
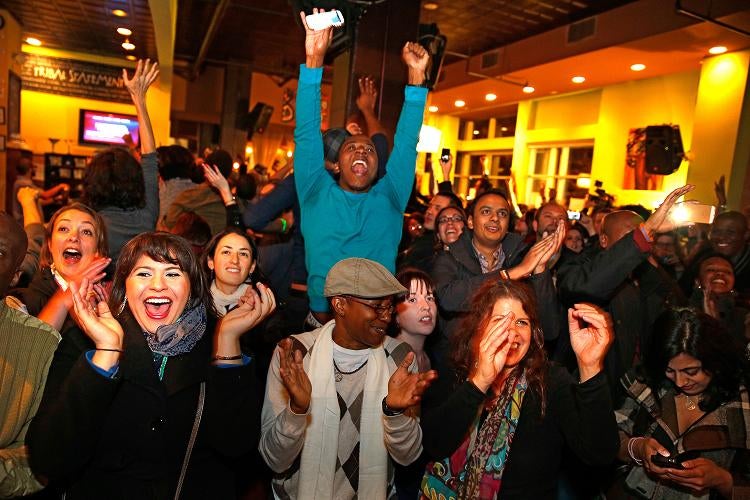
445	154
574	215
693	213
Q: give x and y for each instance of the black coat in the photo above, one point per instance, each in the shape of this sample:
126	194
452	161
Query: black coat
126	437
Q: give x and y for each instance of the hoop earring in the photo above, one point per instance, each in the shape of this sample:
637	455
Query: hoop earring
122	306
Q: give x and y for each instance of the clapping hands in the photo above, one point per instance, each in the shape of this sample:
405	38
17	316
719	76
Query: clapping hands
591	334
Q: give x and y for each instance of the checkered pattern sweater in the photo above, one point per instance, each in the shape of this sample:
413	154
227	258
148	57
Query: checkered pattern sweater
283	432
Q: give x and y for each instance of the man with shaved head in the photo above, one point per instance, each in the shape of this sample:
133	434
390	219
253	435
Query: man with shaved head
26	349
622	279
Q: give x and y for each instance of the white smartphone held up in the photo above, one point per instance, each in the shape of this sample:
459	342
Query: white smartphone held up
323	20
692	213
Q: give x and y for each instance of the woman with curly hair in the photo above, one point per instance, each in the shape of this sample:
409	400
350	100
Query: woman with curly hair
124	192
684	426
498	428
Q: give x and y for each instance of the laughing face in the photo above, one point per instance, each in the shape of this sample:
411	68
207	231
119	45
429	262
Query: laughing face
418	312
361	323
489	220
358	164
73	243
716	275
450	225
728	234
519	330
157	292
232	262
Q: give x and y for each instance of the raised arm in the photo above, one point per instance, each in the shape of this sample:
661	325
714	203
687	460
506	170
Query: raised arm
145	74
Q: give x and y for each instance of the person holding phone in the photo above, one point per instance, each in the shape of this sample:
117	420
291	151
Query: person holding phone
683	426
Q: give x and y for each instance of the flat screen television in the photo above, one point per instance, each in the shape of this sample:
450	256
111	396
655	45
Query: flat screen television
109	129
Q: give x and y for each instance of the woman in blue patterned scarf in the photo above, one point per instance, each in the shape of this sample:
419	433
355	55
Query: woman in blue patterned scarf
497	429
156	396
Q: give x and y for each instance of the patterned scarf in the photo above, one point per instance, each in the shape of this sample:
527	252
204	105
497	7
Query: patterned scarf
182	335
475	469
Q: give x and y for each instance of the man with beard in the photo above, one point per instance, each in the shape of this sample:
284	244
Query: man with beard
335	409
354	216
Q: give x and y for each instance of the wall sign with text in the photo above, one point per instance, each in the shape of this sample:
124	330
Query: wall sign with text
74	78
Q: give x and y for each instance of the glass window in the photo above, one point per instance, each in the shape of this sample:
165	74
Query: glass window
558	168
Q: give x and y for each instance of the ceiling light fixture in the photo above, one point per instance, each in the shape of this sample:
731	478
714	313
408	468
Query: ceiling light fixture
476	132
124	31
430	6
719	49
127	45
130	57
120	13
578	79
638	67
503	129
433	109
490	97
528	89
459	103
33	41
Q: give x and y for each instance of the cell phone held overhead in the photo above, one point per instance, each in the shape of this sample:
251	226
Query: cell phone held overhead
323	20
687	213
445	155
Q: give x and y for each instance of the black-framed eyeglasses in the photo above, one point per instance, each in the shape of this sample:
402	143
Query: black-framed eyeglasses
380	310
454	219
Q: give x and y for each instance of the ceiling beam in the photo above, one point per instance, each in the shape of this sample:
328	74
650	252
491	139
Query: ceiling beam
208	38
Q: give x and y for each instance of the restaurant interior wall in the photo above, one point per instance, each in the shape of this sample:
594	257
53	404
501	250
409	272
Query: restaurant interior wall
10	46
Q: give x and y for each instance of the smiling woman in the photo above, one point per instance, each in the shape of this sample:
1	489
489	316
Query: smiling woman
121	398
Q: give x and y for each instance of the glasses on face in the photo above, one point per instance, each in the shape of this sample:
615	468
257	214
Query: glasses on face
455	219
380	309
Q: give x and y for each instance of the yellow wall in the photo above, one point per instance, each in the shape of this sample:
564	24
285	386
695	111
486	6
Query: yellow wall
603	117
52	115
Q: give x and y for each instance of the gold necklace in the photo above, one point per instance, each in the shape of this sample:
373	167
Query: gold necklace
689	403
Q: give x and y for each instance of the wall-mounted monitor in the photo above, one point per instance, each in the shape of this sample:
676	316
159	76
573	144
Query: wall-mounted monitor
109	129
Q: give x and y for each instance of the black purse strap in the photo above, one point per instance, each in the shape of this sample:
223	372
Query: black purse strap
191	443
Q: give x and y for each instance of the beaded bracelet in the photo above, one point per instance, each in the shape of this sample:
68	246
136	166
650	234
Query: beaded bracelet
631	441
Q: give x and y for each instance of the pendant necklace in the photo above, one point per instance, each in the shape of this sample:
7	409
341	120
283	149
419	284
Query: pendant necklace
689	403
339	374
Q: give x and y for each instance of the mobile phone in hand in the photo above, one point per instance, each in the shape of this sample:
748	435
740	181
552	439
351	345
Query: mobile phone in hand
445	155
323	20
670	462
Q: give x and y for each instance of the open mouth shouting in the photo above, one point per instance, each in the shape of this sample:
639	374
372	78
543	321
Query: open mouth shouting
71	256
360	168
157	308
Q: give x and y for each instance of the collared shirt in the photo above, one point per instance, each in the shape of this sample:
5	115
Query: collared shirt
498	257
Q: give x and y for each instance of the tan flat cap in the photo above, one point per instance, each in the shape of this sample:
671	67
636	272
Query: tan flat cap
361	278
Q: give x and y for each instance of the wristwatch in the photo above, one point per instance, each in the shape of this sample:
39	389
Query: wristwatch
389	412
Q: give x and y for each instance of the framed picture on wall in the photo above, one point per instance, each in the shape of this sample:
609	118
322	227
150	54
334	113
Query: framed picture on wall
14	103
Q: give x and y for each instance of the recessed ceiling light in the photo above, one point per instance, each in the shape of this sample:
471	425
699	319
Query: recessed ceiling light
490	97
719	49
528	89
578	79
503	129
433	109
430	6
127	45
459	103
124	31
120	13
33	41
638	67
130	57
476	132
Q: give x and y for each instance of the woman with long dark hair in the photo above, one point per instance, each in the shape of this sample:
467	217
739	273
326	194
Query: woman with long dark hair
684	426
498	427
154	396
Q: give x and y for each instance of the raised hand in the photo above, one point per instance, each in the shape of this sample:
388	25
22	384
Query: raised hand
316	42
214	177
368	94
294	378
96	320
253	308
540	252
590	337
405	389
659	220
492	352
145	74
553	248
416	59
721	192
446	166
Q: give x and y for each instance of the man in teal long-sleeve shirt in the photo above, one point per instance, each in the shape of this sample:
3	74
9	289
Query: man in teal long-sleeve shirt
352	218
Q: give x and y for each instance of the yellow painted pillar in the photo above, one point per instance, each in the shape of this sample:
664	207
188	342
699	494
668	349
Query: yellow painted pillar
721	131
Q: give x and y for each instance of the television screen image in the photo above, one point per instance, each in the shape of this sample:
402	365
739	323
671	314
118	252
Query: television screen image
100	127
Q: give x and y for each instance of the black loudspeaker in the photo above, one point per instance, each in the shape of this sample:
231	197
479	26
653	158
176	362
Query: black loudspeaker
663	148
431	39
258	119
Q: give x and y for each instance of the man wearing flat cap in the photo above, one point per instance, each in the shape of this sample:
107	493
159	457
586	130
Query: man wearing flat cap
335	409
